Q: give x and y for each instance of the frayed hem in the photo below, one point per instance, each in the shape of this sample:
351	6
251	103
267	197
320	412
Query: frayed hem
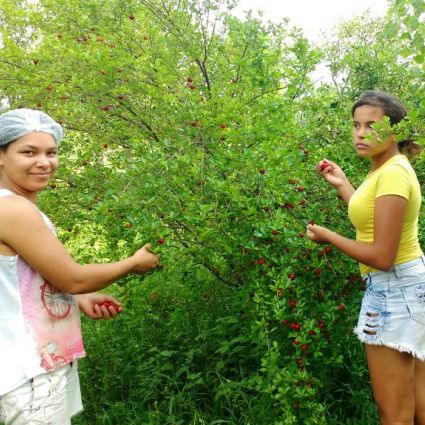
397	347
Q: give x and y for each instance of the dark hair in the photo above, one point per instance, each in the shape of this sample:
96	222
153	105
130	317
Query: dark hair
394	110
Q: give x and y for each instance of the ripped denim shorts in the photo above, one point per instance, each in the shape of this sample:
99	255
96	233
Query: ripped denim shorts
393	308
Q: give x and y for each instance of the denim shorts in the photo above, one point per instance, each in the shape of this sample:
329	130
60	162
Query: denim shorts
392	313
51	398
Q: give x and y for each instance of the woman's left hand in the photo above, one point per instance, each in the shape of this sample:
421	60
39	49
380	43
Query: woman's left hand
98	306
317	233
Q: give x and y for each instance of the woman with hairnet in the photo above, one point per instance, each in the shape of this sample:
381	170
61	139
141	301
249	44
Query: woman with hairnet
41	286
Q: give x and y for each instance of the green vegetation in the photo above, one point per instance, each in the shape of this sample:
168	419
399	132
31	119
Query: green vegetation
200	133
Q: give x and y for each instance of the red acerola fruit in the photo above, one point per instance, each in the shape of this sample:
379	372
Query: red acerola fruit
108	304
341	307
317	272
300	188
292	276
322	324
223	126
301	234
327	249
293	303
304	347
102	72
261	261
106	108
262	171
161	241
312	332
325	164
295	342
105	146
295	326
275	232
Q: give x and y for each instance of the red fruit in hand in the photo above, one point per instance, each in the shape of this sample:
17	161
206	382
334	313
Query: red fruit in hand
108	304
324	164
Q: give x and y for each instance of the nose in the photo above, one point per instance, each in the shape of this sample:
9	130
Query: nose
43	161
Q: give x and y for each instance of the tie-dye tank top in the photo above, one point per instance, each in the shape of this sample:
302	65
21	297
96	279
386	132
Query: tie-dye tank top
40	326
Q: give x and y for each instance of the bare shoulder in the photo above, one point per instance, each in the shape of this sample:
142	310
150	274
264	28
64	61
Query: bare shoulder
14	209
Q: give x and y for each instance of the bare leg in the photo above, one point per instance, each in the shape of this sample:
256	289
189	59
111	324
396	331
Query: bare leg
392	378
419	392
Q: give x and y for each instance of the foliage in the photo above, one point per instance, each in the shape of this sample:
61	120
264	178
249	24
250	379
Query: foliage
198	132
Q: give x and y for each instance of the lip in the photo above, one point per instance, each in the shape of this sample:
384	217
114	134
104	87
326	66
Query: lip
43	175
361	146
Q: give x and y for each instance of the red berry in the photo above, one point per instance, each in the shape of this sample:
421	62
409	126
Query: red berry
312	332
292	276
295	342
317	272
105	146
293	303
301	234
295	326
322	324
324	164
161	241
327	249
304	347
279	292
275	232
223	126
106	108
261	261
262	171
300	188
341	307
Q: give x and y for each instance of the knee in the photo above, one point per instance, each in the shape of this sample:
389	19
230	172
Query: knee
396	414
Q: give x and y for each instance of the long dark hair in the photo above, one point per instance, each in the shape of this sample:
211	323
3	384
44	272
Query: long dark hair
394	110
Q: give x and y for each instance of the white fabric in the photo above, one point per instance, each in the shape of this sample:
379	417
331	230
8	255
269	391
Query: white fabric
51	398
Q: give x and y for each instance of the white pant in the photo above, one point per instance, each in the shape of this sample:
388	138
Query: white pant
48	399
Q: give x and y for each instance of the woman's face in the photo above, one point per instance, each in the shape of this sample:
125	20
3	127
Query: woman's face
29	163
364	117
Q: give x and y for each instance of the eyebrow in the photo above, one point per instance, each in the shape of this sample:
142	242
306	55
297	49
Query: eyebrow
35	147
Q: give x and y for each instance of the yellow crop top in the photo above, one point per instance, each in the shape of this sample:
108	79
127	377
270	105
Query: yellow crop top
395	177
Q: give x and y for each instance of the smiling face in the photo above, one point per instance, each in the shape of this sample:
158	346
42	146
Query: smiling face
363	119
28	164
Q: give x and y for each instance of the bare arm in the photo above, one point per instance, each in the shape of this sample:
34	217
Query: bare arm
389	216
23	230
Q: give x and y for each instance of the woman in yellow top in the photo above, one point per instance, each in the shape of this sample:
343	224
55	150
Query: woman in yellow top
384	210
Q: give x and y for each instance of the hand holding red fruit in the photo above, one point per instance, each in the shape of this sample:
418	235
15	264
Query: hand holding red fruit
98	306
332	173
317	233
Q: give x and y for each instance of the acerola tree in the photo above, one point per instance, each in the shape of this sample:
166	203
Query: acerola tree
200	133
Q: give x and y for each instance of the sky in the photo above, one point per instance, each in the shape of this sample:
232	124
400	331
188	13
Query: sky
313	16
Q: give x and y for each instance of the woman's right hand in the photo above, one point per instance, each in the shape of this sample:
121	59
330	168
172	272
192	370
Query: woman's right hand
146	260
332	173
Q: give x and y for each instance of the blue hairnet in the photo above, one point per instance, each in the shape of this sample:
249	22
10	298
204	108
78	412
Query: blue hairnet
19	122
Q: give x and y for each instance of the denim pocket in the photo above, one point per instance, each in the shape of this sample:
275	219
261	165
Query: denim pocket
414	296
